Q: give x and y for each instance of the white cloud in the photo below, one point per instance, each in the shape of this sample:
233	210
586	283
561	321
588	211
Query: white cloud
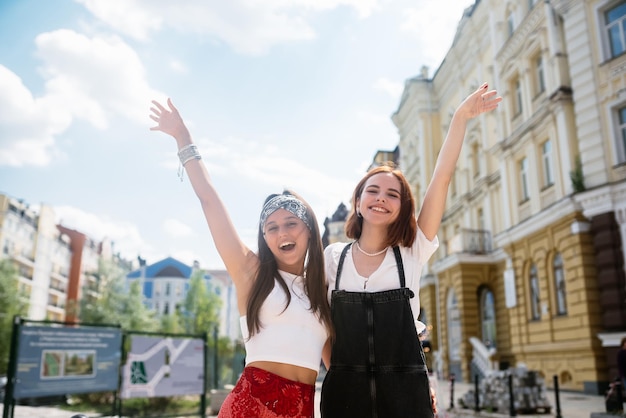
246	26
27	125
126	16
177	229
392	88
431	26
125	235
93	79
254	162
179	67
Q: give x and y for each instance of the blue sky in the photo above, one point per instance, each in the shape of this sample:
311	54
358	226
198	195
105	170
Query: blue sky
277	93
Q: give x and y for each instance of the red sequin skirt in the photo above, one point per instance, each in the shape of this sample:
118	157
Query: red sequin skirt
261	394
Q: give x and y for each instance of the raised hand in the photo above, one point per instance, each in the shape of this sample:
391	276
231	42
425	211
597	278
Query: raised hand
480	101
169	120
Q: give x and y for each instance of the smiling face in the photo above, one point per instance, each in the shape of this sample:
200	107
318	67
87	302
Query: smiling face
380	201
287	237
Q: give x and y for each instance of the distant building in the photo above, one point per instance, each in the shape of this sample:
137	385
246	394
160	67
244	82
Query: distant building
165	285
54	262
334	226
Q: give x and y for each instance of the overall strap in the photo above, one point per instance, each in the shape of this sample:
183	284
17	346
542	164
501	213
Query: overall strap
396	252
340	264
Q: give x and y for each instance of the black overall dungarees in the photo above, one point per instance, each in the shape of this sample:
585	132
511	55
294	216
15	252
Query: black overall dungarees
377	365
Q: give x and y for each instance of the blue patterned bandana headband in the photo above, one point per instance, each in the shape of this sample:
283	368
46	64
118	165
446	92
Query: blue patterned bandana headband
289	203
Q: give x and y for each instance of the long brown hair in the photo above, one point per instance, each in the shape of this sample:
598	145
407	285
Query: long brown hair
314	275
404	229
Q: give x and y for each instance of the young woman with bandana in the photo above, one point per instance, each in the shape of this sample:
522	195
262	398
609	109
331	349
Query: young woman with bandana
377	366
281	291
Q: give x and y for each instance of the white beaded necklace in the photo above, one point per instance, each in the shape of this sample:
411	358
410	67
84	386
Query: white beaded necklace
370	254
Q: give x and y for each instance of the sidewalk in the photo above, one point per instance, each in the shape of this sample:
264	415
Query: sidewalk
573	405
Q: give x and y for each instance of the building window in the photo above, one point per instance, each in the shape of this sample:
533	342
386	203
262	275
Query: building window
534	293
518	97
621	152
546	158
615	19
559	285
488	318
168	289
166	308
476	159
523	176
453	186
510	21
454	327
539	75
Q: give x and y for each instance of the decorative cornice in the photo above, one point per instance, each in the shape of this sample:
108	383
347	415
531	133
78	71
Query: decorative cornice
443	264
537	222
562	7
513	45
608	198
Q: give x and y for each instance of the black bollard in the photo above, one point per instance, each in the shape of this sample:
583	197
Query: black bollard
452	391
512	411
557	400
476	397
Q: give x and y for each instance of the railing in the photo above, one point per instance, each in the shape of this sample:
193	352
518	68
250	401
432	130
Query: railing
482	357
470	241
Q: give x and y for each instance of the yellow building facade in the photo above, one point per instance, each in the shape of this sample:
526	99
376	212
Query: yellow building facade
530	270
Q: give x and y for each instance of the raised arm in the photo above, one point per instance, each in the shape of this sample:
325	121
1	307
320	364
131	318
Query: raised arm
239	260
480	101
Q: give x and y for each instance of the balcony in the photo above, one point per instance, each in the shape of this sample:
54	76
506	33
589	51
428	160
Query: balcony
469	241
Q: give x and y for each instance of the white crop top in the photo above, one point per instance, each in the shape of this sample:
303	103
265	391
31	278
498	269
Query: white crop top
294	335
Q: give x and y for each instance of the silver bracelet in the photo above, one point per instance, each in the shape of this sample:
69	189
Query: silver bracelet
185	154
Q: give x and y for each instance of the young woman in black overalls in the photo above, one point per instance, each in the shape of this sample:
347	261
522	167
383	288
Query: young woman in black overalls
377	366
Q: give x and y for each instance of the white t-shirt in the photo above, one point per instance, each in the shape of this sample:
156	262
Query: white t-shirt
386	276
294	335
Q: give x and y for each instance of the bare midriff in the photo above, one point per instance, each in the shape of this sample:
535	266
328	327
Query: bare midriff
288	371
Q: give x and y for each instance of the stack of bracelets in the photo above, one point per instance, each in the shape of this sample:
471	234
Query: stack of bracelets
185	154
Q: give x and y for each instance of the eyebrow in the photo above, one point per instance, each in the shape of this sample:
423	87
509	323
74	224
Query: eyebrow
378	187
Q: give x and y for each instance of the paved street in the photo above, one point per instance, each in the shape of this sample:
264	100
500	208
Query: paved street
573	405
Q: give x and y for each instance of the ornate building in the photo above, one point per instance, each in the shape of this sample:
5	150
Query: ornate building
530	270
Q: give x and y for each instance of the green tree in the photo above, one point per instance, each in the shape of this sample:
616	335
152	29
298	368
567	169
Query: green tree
114	302
12	303
172	323
200	310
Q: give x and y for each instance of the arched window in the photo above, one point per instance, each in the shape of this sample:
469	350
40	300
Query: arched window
559	285
534	293
454	327
488	317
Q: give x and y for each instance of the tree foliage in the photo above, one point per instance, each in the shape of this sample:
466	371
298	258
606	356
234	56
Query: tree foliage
12	303
114	303
200	310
